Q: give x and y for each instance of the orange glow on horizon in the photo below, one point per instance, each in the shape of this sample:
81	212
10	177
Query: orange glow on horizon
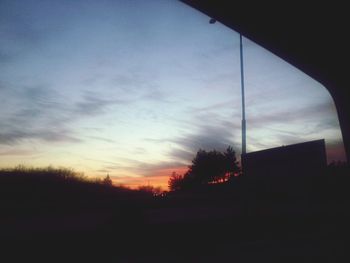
159	179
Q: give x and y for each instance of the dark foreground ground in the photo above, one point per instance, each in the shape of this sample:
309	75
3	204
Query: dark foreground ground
250	220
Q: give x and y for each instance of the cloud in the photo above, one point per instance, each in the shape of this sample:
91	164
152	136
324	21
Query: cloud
105	163
56	136
15	136
293	126
94	104
303	114
160	169
101	139
209	130
181	154
12	137
33	112
18	152
218	135
135	82
155	95
40	112
208	137
215	107
205	130
142	168
131	81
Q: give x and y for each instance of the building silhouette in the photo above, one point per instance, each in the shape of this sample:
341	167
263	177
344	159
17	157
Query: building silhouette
302	159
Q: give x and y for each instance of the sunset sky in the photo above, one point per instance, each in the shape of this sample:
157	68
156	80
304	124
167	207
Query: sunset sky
134	88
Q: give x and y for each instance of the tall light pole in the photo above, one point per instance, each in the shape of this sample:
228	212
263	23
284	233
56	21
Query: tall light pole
244	143
244	146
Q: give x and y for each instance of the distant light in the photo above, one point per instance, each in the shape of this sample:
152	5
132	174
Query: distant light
212	21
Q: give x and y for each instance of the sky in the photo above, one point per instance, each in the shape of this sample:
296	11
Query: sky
134	89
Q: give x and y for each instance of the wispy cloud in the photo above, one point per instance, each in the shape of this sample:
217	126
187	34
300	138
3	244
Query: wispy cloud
206	130
107	140
225	105
297	114
208	137
218	135
94	104
142	168
15	136
18	152
32	113
39	112
155	95
151	169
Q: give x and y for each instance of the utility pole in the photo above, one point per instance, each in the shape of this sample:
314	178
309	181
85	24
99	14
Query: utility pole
244	143
244	150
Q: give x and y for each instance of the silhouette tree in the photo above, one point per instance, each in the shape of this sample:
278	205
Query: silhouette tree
175	182
207	167
107	181
232	168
